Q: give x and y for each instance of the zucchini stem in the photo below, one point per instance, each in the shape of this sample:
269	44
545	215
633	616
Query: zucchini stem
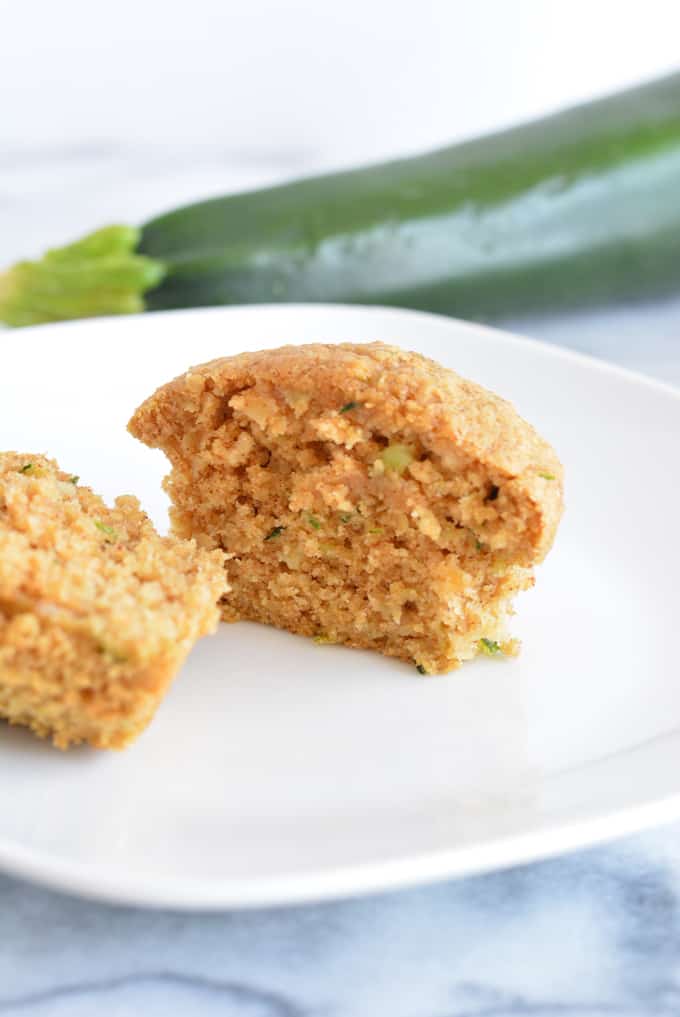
97	275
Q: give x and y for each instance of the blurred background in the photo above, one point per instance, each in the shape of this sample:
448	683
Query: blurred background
117	111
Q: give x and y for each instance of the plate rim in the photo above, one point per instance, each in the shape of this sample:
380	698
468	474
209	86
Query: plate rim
93	882
344	883
514	338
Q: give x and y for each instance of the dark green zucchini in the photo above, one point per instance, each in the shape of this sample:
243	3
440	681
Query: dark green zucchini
577	208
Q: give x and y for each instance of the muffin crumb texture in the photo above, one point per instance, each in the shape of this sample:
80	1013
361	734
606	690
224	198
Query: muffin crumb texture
368	496
97	612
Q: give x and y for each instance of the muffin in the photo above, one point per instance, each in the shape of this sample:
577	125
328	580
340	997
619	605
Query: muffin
97	612
368	496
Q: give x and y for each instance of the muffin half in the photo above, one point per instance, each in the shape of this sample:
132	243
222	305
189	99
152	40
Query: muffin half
368	495
97	612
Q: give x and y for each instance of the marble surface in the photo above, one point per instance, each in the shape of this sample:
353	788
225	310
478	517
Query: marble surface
593	934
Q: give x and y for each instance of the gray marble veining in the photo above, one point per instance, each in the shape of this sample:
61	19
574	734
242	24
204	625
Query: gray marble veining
592	934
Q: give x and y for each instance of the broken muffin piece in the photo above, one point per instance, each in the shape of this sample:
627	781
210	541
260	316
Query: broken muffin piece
97	612
370	496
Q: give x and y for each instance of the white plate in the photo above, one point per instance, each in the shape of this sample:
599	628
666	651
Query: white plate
278	770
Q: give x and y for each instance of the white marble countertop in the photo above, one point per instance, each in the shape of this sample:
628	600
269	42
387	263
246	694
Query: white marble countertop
593	934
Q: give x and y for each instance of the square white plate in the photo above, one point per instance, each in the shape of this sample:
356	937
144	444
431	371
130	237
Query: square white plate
278	770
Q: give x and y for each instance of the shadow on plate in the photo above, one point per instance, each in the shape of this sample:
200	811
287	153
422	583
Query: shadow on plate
22	743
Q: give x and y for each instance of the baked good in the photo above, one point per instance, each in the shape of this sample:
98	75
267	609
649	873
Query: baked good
97	612
368	495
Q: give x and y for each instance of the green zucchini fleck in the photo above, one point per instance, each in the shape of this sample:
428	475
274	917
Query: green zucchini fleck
275	532
108	531
396	458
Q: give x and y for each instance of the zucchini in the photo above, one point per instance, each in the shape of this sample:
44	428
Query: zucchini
577	208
